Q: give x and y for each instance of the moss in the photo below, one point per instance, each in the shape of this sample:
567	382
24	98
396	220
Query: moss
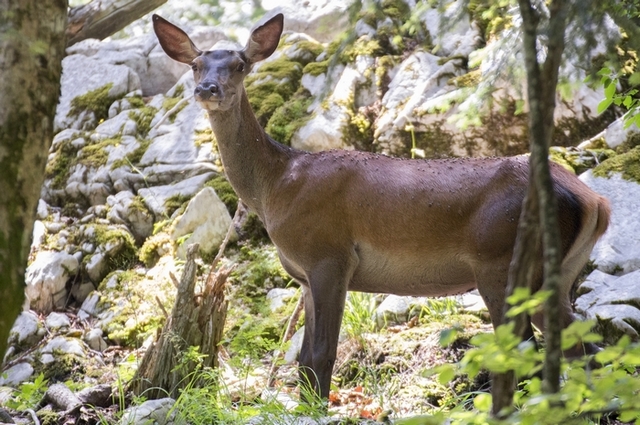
225	192
470	79
125	255
358	129
143	117
289	117
134	157
59	167
97	101
628	164
204	136
153	248
176	202
316	68
95	155
630	143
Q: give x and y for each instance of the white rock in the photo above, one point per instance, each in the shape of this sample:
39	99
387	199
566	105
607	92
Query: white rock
25	329
16	374
61	345
39	233
57	320
618	250
43	210
278	297
82	74
80	290
614	299
46	278
124	210
158	412
156	196
96	267
206	218
291	356
89	307
614	135
393	309
323	20
94	339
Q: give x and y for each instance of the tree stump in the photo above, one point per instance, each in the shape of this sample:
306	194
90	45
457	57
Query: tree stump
196	321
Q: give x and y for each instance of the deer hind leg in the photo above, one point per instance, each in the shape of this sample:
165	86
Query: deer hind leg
308	378
324	306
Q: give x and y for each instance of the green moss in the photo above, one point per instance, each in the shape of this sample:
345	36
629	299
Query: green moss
628	164
59	167
125	255
470	79
154	248
143	117
225	192
316	68
97	101
134	157
175	202
289	117
95	155
204	136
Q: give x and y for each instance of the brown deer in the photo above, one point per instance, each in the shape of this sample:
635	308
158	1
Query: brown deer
347	220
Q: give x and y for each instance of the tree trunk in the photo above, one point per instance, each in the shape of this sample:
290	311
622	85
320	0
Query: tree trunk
196	321
541	225
102	18
32	43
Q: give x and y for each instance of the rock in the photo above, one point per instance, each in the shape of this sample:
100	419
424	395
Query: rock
278	297
614	135
618	250
291	356
16	374
25	329
39	234
613	301
158	412
96	267
61	345
94	73
99	396
156	197
128	209
89	307
94	340
394	309
55	321
472	302
46	278
323	20
80	290
207	219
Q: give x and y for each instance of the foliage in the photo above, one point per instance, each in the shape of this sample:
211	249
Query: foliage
28	394
359	317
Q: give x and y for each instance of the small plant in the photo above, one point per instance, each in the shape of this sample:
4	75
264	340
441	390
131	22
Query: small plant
28	394
359	315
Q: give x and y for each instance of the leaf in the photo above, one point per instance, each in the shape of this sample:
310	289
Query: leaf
604	104
634	79
447	373
448	336
627	102
482	402
610	90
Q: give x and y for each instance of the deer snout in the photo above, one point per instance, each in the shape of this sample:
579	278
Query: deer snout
206	90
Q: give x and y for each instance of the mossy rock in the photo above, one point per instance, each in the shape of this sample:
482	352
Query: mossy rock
627	164
96	101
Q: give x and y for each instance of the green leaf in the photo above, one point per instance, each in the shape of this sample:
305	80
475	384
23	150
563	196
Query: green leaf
634	79
604	104
447	373
604	71
610	90
448	336
627	102
482	402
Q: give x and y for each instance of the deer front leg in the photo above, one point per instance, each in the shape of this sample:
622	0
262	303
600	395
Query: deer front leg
308	381
328	283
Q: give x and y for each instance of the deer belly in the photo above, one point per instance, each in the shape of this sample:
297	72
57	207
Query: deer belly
407	274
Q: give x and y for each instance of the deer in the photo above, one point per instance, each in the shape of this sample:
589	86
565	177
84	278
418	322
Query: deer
344	220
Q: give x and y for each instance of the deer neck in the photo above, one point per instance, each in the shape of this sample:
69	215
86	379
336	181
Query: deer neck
252	160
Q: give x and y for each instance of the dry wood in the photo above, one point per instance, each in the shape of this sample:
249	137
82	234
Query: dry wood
196	321
102	18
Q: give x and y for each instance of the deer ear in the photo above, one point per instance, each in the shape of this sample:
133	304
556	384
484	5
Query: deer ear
175	42
264	39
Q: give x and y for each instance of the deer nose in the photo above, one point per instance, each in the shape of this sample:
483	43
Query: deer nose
206	90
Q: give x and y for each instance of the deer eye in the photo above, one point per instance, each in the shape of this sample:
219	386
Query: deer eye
194	67
240	67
